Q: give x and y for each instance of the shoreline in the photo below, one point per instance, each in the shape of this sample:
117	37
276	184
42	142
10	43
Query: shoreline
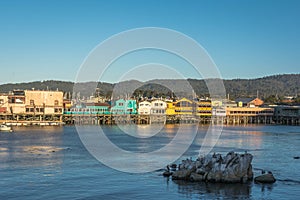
14	125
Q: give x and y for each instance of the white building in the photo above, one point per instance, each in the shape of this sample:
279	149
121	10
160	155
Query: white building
158	107
144	108
219	112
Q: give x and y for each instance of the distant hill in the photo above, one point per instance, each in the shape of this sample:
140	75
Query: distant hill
266	87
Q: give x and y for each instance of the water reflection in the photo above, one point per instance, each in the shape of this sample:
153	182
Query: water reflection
142	131
239	140
266	187
32	147
189	189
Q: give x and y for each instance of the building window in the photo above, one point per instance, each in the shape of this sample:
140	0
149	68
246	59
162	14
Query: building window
56	102
31	102
27	109
59	110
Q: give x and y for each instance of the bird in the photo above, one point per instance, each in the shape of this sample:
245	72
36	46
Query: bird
168	168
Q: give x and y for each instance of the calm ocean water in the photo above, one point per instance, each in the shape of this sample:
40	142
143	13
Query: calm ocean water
52	163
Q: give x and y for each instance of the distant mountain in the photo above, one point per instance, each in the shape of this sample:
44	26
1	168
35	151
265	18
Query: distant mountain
266	87
38	85
280	85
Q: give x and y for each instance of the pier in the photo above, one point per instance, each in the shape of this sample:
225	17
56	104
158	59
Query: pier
30	119
33	107
110	119
172	119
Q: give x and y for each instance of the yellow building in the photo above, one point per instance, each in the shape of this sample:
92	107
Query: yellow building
67	104
204	108
170	108
184	107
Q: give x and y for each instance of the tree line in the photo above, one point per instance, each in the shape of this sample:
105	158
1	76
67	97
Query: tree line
272	89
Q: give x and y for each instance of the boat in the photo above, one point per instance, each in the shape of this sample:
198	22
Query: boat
3	127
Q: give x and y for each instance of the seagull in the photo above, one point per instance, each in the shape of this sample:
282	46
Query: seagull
168	168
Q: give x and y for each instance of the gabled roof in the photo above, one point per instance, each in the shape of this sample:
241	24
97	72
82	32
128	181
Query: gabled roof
244	100
255	101
146	102
184	99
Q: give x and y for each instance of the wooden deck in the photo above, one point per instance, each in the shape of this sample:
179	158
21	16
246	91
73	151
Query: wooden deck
94	119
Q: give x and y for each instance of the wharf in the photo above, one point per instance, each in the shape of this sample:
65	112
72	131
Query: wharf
174	119
109	119
31	119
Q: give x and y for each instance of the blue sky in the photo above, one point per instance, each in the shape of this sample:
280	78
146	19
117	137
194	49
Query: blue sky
49	40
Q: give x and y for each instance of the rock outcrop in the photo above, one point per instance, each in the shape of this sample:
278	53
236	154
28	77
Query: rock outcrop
233	168
265	178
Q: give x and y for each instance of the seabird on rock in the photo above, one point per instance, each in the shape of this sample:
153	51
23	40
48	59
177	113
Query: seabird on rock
168	168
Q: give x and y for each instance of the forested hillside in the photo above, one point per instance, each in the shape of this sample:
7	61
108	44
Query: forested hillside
269	88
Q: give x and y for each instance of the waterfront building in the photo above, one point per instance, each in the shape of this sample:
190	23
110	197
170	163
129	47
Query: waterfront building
231	104
184	106
3	103
287	114
144	108
98	99
16	102
33	102
67	105
158	107
219	112
120	107
43	102
203	108
249	102
246	115
124	107
288	99
20	106
170	108
158	111
216	103
98	108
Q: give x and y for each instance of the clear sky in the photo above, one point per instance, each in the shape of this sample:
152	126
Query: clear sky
48	40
